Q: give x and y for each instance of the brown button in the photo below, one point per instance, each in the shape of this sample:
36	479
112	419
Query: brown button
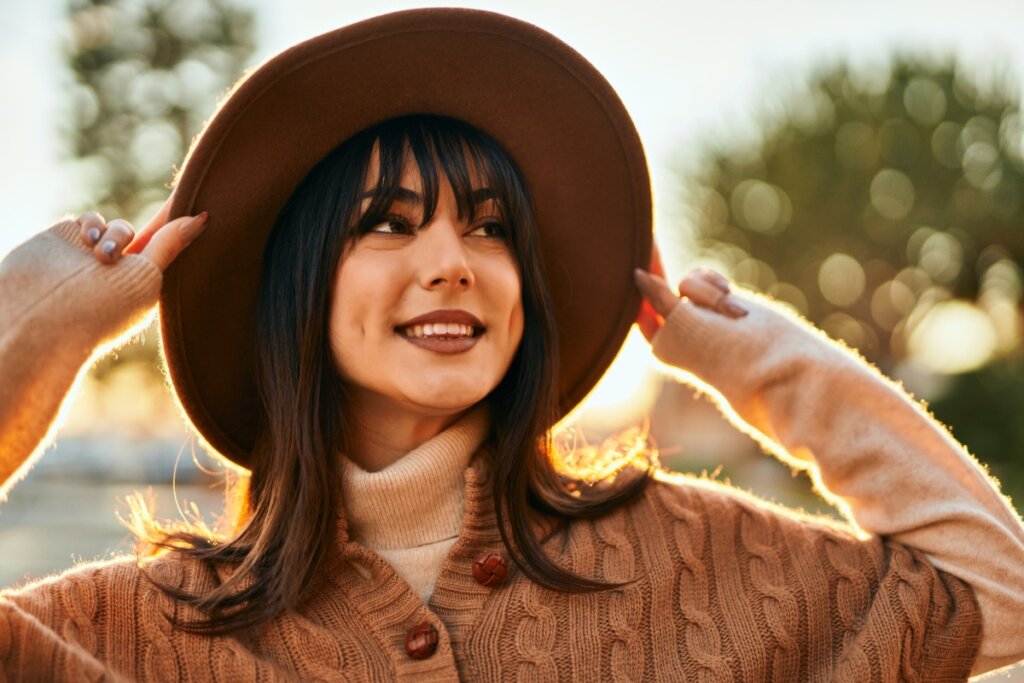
489	570
421	641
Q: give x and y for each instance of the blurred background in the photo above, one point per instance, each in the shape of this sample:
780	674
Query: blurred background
862	163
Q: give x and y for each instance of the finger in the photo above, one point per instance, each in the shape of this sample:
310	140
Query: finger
715	278
700	291
158	220
704	294
93	226
116	237
171	239
656	290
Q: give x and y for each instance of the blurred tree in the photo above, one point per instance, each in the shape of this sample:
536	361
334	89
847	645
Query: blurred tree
145	75
872	200
888	207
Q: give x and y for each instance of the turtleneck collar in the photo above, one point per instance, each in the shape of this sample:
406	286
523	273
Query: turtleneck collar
419	498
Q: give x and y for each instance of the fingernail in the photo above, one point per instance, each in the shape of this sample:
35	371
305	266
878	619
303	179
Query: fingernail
195	226
735	310
108	247
94	235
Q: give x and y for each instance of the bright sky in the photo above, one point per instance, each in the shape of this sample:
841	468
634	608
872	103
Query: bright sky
686	70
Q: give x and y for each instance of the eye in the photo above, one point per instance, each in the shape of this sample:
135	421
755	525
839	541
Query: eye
392	225
491	229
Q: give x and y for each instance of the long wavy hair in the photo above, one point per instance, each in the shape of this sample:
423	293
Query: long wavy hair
286	522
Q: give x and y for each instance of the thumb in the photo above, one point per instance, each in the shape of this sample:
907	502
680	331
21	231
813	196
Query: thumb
170	239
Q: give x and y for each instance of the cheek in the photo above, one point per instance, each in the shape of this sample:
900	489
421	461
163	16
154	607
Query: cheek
355	349
351	317
516	319
516	324
356	309
339	336
356	345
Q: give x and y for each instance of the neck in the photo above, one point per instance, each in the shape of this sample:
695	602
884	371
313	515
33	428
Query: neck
380	435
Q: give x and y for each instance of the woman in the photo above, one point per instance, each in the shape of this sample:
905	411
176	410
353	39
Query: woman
378	345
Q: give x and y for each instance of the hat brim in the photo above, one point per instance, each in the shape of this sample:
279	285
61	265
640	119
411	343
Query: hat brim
549	109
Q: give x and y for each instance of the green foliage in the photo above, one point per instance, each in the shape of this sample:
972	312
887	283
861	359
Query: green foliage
146	75
871	199
985	407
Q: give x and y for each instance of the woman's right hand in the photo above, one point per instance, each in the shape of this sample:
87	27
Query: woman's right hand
159	241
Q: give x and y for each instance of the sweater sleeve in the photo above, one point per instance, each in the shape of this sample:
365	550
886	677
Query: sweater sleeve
105	620
59	307
870	448
50	632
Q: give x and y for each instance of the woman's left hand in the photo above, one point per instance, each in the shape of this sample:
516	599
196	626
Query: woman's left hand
703	286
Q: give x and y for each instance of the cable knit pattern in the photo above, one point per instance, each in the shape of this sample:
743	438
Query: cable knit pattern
585	647
79	601
853	588
536	636
232	662
625	605
315	655
777	600
689	532
159	660
727	587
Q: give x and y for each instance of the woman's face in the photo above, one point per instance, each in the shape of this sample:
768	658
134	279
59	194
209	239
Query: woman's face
426	320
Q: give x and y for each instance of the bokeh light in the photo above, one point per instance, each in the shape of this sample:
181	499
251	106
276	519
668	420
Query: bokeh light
841	279
953	337
761	207
892	194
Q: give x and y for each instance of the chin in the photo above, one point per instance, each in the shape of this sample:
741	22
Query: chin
447	406
444	400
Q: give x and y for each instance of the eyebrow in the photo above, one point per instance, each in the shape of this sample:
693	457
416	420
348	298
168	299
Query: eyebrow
404	194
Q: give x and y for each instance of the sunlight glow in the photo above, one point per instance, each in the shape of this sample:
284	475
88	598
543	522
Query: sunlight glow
625	394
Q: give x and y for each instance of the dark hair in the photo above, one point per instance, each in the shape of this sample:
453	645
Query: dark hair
292	494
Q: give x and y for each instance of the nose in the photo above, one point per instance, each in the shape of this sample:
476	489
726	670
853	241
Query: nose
443	256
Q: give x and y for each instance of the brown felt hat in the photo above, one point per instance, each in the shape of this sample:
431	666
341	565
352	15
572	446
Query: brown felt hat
545	105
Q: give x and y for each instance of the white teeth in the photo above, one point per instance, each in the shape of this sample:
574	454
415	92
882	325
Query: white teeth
439	330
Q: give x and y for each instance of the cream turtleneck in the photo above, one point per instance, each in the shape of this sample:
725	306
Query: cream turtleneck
410	512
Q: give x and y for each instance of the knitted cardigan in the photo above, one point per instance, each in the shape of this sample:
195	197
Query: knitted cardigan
726	587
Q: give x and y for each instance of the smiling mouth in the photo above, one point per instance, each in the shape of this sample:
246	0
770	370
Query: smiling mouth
442	338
